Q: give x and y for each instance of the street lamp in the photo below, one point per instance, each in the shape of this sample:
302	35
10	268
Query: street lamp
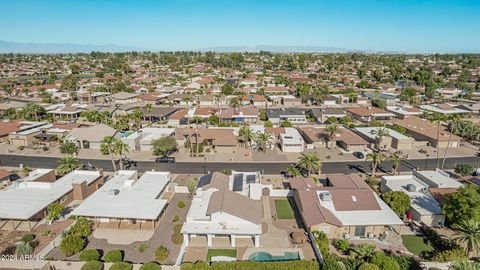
205	165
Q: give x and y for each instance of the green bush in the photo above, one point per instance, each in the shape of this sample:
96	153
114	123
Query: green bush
72	244
27	238
384	262
151	266
23	249
121	266
464	169
368	266
113	256
407	262
322	242
90	255
181	204
161	253
82	227
455	254
92	265
434	268
342	245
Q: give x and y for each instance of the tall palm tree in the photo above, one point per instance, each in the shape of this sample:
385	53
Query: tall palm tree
246	135
121	149
33	110
332	130
310	162
468	233
137	116
452	118
396	158
376	158
262	139
380	133
149	108
437	118
108	148
67	164
292	170
68	148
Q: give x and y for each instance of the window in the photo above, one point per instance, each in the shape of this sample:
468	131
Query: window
360	231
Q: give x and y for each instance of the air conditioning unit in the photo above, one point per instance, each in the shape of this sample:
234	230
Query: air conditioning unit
411	188
371	236
346	236
325	196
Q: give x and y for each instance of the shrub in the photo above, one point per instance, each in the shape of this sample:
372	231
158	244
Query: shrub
434	268
176	218
90	255
407	262
113	256
342	245
322	242
161	253
399	201
455	254
142	247
368	266
72	244
82	227
23	249
151	266
27	238
384	262
464	169
46	233
181	204
121	266
92	265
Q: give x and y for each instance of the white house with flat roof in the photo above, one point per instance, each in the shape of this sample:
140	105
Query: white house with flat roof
424	208
291	141
142	139
26	200
222	209
127	201
437	179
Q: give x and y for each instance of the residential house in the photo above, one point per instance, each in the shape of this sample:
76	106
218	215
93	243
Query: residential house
222	208
23	204
125	98
127	202
91	137
142	140
423	130
248	114
293	115
367	114
213	139
29	133
405	111
443	109
322	114
343	207
393	140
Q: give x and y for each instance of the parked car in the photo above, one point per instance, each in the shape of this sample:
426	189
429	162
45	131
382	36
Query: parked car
165	159
359	155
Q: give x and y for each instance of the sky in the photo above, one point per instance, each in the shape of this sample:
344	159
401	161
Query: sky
370	25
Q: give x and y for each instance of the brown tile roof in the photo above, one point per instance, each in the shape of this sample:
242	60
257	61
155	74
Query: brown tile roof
440	193
425	128
8	127
218	136
4	173
312	212
180	114
365	111
349	137
236	205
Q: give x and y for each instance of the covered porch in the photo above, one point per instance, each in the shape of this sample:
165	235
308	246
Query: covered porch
221	240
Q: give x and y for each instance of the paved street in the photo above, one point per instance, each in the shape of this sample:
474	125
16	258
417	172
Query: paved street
265	167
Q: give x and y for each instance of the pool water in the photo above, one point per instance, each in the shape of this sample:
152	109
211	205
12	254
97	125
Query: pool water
267	257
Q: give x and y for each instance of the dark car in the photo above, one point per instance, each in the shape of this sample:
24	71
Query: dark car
358	155
165	160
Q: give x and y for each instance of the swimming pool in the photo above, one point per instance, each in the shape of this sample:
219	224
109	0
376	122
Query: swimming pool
263	256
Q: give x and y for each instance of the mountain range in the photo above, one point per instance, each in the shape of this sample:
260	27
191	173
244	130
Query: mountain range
52	48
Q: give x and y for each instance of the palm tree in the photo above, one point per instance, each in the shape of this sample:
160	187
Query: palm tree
262	139
68	148
149	108
234	102
310	162
292	170
437	118
453	118
332	130
376	158
246	135
396	158
67	164
468	233
33	110
137	116
121	149
108	148
380	133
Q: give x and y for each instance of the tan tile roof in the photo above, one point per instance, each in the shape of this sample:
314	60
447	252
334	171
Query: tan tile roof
365	111
236	205
426	128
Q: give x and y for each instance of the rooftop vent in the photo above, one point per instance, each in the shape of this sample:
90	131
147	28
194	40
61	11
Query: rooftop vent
325	196
113	192
411	188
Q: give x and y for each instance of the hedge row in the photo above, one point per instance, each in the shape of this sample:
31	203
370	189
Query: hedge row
249	265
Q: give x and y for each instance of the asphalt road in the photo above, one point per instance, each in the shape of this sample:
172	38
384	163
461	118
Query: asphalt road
264	167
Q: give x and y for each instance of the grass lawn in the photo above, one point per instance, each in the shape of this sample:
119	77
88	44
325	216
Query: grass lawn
221	252
284	209
415	244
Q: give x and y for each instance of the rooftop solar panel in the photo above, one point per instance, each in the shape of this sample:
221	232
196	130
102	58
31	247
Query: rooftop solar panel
238	182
